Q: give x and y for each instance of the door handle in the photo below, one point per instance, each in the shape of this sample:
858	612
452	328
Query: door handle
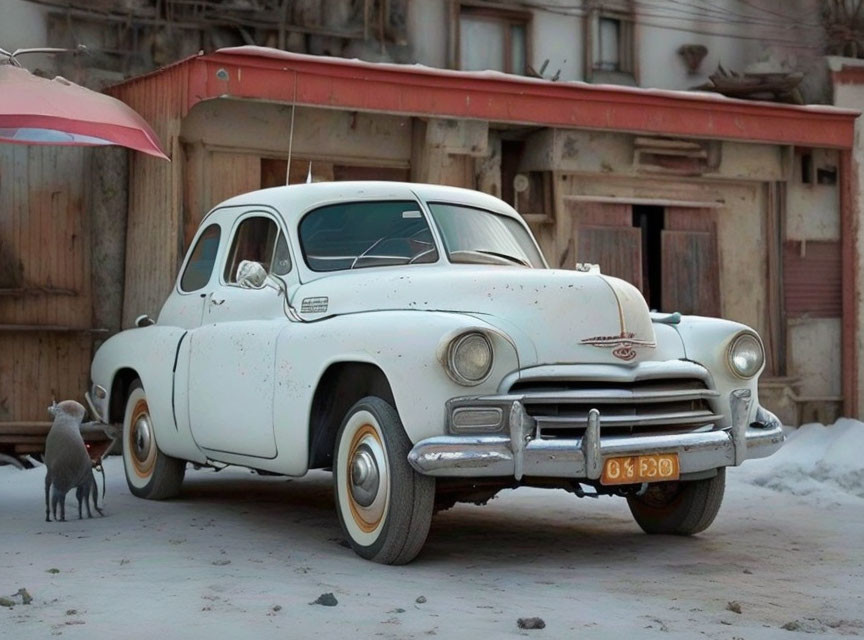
216	302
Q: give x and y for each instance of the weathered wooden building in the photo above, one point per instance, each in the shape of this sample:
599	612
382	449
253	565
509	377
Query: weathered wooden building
62	227
712	206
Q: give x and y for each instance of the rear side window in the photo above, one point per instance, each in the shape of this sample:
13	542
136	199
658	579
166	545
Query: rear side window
200	265
355	235
254	240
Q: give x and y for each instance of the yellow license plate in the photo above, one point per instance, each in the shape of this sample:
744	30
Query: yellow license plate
655	467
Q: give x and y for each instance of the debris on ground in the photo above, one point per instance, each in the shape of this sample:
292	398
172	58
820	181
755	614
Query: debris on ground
734	606
326	600
531	623
421	600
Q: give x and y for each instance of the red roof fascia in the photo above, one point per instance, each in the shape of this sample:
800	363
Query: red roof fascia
271	75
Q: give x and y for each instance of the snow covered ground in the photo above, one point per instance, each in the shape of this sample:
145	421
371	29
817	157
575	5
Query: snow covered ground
241	556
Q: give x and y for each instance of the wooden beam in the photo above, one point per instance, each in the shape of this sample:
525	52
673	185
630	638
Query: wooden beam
659	202
269	74
48	328
849	239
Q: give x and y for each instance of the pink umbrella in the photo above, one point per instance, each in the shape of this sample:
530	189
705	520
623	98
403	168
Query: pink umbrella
34	110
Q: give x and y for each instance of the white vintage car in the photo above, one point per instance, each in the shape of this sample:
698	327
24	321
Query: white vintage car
412	339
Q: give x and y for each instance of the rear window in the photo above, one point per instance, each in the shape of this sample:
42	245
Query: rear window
200	265
357	235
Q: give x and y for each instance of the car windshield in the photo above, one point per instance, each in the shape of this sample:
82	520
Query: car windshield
355	235
481	237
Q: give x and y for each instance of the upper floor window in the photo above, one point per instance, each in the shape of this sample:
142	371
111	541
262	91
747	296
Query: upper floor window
258	239
490	38
200	265
609	46
354	235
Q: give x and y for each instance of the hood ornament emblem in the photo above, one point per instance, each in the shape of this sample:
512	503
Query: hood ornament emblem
623	345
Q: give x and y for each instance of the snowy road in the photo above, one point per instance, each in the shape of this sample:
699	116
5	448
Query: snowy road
242	556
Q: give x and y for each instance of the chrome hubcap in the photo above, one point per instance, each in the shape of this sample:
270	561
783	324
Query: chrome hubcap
365	477
142	438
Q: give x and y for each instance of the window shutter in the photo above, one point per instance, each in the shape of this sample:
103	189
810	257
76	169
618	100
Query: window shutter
812	279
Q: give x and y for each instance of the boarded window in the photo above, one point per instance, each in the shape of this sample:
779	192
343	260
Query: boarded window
812	283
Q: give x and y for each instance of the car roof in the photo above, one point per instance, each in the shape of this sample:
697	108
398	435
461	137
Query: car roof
296	199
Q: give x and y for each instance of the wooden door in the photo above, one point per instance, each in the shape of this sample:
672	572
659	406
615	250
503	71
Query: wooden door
690	266
605	235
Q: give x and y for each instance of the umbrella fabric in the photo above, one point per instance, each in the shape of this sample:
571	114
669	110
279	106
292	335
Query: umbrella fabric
35	110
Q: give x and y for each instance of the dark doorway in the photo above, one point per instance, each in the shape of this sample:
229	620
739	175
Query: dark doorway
649	219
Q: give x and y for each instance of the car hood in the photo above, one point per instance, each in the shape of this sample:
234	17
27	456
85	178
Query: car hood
553	316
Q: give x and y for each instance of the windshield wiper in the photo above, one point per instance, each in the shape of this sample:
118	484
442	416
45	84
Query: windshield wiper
494	254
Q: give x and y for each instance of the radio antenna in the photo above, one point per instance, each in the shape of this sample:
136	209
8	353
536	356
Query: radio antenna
291	133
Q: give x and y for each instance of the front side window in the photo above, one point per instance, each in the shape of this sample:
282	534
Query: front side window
258	239
200	264
356	235
477	236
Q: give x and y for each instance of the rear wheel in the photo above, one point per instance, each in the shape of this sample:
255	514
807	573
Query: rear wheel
679	508
384	506
150	473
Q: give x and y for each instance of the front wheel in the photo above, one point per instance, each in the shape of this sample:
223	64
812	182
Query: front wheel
679	508
150	473
384	506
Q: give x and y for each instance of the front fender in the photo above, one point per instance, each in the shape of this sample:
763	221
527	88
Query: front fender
706	341
405	345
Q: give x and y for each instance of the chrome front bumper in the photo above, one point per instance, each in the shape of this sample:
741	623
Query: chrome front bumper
520	454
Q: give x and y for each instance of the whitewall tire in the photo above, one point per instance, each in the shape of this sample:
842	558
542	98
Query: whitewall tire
384	506
150	473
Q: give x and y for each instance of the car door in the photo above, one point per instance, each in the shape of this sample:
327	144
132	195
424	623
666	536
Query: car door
232	354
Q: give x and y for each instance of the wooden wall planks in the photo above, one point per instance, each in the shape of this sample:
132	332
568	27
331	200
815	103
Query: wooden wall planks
154	234
45	281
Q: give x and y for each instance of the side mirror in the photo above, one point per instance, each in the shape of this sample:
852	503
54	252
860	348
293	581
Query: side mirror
251	275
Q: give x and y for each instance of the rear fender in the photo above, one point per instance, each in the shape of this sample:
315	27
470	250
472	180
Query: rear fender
153	354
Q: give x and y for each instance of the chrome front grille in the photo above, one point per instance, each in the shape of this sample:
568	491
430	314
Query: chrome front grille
647	407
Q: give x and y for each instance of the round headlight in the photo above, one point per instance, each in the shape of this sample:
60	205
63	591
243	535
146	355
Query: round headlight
469	358
746	355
